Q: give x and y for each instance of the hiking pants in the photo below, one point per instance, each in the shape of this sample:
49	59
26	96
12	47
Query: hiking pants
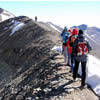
83	67
69	59
72	62
65	52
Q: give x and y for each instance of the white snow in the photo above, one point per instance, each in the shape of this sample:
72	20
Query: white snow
92	71
92	35
96	38
93	76
17	25
5	15
54	27
91	38
57	48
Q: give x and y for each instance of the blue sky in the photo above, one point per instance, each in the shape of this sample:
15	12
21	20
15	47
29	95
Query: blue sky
67	13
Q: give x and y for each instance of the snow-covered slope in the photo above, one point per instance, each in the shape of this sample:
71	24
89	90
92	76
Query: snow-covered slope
93	73
55	27
93	36
4	14
94	33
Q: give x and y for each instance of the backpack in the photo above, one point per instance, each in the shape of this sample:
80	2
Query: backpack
72	39
82	48
65	38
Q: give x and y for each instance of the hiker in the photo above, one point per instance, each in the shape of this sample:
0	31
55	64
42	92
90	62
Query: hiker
64	31
70	46
80	49
69	49
35	18
64	36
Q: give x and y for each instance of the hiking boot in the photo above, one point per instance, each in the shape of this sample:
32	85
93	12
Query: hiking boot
76	79
83	86
68	64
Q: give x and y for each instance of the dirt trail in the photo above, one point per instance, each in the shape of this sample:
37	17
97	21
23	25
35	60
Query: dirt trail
65	87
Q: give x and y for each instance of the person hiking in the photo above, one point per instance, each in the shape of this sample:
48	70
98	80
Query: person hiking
80	50
35	18
64	32
70	46
64	36
69	49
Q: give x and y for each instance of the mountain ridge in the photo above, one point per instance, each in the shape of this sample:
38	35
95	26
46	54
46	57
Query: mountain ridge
28	66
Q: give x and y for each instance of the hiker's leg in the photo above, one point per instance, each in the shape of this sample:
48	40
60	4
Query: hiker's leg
75	69
65	54
72	65
69	59
73	62
83	64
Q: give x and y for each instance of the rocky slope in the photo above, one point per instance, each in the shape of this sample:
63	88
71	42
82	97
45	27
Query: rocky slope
29	70
25	55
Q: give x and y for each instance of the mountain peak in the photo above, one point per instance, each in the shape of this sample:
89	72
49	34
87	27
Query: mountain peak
82	26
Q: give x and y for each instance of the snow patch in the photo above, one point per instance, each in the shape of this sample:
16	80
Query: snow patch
91	39
54	27
93	73
92	35
5	15
17	25
57	48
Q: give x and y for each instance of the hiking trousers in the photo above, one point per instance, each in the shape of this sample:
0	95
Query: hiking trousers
72	62
83	67
65	53
69	59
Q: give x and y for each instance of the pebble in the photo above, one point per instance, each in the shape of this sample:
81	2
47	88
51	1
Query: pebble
47	90
37	98
1	98
70	90
19	97
28	98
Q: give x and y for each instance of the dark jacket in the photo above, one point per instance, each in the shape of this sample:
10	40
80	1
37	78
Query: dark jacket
70	42
82	58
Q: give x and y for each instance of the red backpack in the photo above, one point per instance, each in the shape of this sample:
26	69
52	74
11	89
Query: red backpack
82	48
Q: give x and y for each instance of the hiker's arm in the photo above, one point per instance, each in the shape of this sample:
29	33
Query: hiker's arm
89	47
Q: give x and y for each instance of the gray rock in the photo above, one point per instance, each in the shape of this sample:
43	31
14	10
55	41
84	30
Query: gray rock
1	98
19	97
70	90
28	98
37	98
14	90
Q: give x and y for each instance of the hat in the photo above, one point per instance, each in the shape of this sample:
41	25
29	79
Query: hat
75	31
80	32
